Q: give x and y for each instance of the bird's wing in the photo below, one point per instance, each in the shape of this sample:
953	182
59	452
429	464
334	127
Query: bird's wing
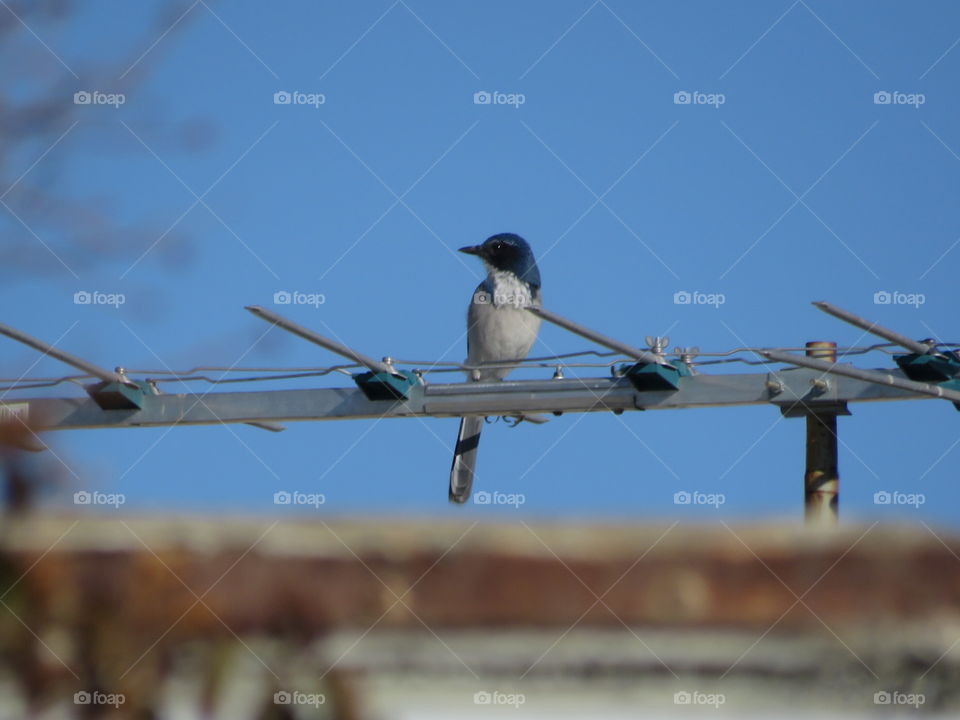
471	311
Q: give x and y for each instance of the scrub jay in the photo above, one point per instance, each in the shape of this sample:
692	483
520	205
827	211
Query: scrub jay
498	330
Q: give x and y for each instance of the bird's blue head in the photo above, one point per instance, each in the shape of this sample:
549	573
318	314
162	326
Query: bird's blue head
510	253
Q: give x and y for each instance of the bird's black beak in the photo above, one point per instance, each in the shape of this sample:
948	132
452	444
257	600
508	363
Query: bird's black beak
471	250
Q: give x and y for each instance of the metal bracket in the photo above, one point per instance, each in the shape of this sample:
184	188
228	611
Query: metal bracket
398	385
653	377
799	393
928	367
114	395
805	409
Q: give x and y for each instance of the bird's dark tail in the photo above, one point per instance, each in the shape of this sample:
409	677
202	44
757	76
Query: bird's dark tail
465	458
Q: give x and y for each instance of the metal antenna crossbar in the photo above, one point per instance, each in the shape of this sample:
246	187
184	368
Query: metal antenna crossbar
815	387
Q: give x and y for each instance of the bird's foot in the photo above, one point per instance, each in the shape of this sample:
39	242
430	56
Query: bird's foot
514	420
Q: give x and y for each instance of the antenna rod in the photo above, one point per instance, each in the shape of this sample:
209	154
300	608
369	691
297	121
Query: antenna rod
62	356
318	339
585	332
872	327
867	375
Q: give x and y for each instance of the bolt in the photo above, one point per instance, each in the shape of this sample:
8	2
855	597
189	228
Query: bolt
657	344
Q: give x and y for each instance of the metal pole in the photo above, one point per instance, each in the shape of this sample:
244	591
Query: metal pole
821	479
318	339
600	339
62	356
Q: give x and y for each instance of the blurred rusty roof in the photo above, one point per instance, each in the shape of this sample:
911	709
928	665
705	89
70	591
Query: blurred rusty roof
340	573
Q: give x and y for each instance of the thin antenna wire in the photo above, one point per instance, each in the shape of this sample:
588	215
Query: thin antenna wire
570	360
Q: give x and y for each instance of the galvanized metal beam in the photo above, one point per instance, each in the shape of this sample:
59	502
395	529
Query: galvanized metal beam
785	389
880	377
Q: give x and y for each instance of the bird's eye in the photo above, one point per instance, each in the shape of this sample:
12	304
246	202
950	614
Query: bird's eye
497	245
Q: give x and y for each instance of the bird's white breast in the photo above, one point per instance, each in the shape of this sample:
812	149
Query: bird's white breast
499	328
508	289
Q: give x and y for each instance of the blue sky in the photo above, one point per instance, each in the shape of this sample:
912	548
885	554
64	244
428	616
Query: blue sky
782	182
